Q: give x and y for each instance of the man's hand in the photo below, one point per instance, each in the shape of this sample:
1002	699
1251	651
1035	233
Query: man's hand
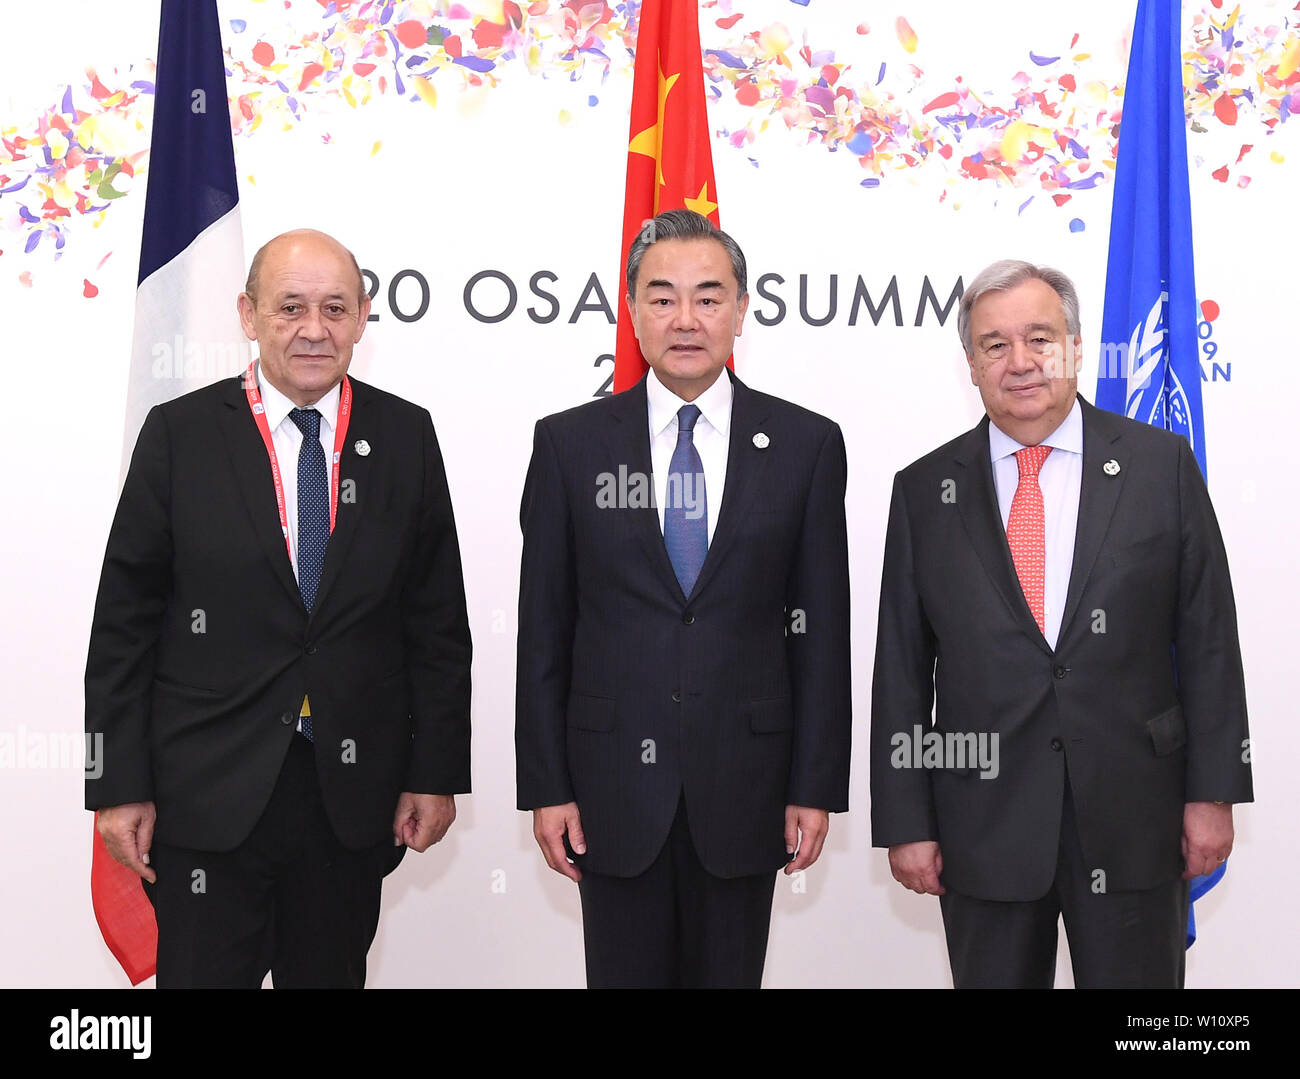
422	819
127	831
812	824
549	825
1207	837
917	866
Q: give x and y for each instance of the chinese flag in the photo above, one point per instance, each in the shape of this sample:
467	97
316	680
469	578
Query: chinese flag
669	160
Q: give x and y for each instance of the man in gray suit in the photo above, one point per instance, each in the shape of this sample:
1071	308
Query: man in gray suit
1056	586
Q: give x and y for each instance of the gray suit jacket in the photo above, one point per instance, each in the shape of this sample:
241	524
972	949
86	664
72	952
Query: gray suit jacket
1143	699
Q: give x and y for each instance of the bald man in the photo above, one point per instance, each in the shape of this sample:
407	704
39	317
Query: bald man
279	664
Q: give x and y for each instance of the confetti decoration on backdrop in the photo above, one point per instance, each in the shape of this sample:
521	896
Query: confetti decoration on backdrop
1048	130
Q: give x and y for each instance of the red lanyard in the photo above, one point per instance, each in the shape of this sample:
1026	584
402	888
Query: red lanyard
340	432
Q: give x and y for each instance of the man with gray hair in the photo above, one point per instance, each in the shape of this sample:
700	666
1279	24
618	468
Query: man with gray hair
683	693
1055	587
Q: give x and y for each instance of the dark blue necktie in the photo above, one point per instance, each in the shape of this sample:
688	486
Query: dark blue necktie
313	513
686	517
313	504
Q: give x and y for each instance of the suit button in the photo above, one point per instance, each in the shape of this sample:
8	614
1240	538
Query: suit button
311	650
677	696
688	619
1060	672
1056	745
289	718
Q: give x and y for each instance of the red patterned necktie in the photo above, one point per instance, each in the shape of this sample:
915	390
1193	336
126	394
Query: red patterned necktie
1025	529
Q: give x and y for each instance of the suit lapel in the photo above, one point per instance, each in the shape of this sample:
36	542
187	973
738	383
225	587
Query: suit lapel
252	471
1098	495
745	464
355	482
977	504
629	442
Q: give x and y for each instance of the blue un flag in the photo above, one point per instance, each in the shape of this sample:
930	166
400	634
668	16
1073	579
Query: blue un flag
1149	368
1150	364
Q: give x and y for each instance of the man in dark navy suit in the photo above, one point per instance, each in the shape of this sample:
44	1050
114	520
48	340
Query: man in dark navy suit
683	710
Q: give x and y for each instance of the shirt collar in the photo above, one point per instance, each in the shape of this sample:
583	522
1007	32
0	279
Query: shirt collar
1068	436
278	406
714	404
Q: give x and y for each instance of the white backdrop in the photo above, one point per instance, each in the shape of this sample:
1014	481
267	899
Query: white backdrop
523	174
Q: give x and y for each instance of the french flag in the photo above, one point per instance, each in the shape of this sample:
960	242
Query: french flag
187	331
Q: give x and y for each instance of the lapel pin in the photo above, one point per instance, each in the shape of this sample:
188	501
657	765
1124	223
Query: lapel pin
1111	467
362	447
762	441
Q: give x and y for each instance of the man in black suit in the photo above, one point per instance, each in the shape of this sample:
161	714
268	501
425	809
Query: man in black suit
683	712
279	664
1055	585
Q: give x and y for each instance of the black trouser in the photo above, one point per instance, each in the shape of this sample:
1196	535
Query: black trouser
1118	940
290	899
676	925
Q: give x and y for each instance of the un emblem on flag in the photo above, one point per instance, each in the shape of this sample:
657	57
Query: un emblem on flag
1155	393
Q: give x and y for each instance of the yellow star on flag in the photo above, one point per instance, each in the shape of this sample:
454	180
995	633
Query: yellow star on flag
650	142
701	204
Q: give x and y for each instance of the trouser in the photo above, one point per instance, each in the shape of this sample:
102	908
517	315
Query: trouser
290	899
1131	940
676	925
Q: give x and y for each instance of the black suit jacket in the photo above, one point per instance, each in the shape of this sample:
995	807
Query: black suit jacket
1143	698
631	693
201	648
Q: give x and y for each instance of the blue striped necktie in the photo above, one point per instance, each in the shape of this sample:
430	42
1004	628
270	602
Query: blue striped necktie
686	517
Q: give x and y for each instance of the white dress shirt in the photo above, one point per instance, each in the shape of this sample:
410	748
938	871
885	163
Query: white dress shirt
287	440
711	434
1059	480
